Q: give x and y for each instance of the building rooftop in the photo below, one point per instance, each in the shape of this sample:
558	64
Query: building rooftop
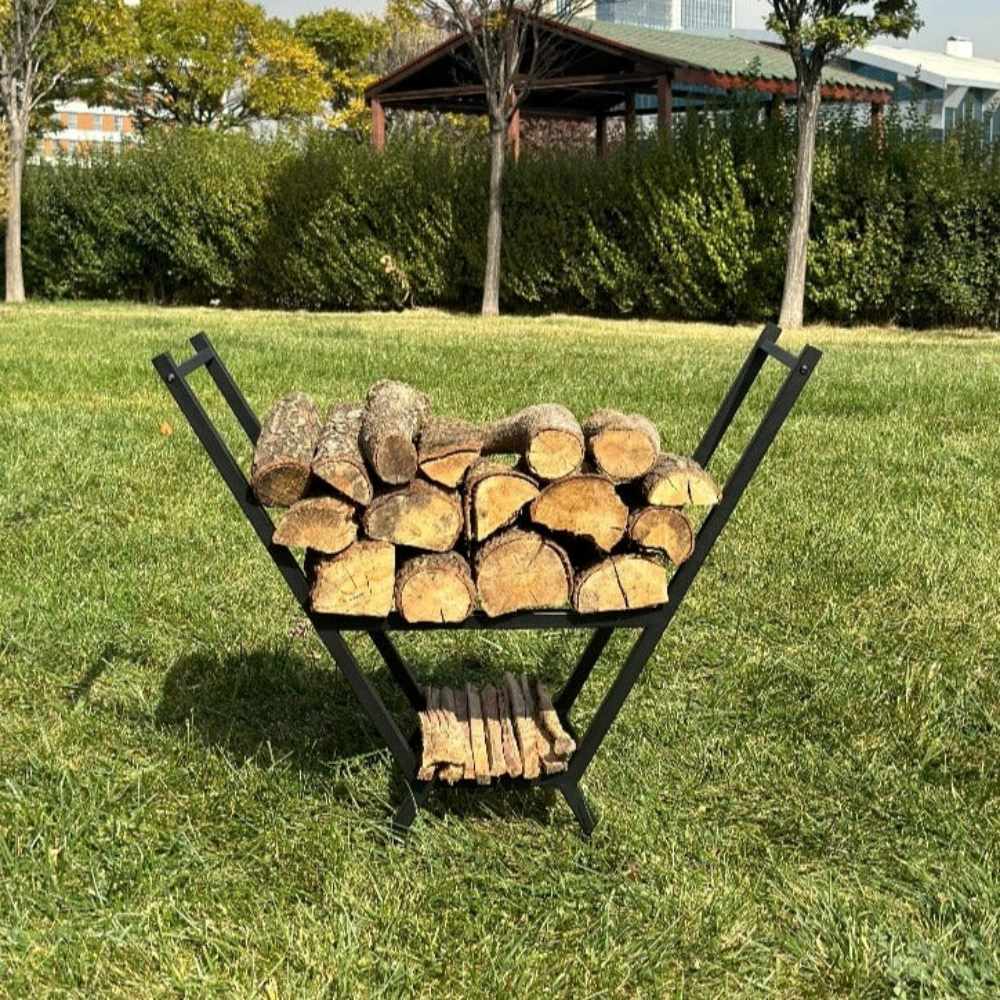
936	68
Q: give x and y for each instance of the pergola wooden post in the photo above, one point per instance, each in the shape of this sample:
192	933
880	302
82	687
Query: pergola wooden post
378	125
878	122
630	115
601	135
514	134
776	109
664	105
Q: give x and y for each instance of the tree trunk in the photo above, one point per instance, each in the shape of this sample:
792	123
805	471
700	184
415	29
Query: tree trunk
793	301
15	175
494	226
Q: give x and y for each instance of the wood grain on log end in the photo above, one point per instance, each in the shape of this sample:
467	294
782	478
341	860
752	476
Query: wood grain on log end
522	570
447	448
494	495
547	436
586	506
676	481
418	515
622	446
358	581
325	524
435	588
665	529
621	583
282	459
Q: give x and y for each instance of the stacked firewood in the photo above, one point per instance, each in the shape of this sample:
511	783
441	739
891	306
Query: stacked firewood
399	509
477	734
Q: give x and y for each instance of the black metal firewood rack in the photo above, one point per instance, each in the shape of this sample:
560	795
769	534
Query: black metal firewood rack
649	623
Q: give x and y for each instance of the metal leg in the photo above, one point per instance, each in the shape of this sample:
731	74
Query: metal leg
591	654
413	798
399	670
577	802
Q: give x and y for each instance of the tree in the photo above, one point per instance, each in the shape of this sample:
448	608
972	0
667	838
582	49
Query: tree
815	31
511	51
217	63
49	49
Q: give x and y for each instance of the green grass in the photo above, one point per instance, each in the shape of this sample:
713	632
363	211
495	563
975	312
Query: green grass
800	799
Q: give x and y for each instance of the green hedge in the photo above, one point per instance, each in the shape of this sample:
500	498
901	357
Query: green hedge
907	231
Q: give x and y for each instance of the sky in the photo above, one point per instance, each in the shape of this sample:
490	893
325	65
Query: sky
976	19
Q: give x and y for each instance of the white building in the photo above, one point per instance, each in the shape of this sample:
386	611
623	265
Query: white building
697	16
83	127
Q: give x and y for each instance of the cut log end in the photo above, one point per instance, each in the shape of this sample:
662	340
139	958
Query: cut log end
586	506
676	481
390	425
553	454
324	524
447	448
395	459
494	494
346	478
522	570
358	581
283	453
338	461
280	484
665	529
622	446
419	515
621	583
449	470
436	588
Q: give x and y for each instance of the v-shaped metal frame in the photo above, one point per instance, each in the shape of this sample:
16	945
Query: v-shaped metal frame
650	622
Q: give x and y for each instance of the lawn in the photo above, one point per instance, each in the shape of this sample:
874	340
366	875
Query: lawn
802	797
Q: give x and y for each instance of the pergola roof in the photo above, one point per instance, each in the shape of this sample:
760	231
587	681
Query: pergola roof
601	62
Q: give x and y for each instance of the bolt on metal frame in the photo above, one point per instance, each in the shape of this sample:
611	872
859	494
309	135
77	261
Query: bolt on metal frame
651	623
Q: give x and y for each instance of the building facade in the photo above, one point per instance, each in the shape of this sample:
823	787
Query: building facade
696	16
82	128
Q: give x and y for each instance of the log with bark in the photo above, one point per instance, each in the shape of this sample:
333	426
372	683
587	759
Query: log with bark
390	425
338	461
358	581
494	494
494	731
522	570
676	481
435	588
622	446
477	735
282	458
562	742
665	529
546	436
447	448
619	583
419	515
586	506
324	524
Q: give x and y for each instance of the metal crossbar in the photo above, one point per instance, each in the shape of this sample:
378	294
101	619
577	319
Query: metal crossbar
650	622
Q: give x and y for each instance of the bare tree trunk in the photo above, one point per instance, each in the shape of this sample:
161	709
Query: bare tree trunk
793	301
494	226
15	174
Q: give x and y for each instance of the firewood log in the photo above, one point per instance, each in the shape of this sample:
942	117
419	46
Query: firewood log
435	588
462	714
619	583
551	762
477	735
419	515
358	581
675	481
494	731
338	461
511	754
562	742
547	436
391	422
430	738
447	448
494	494
519	570
665	529
622	446
324	524
283	454
586	506
455	741
524	727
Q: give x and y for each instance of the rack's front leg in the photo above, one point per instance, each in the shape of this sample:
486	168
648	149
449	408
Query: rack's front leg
413	798
575	799
588	659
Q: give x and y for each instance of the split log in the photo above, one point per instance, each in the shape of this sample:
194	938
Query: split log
357	581
462	714
324	524
551	762
419	515
524	727
455	742
511	755
477	735
435	588
338	461
430	737
622	446
665	529
494	495
447	448
621	583
390	424
562	742
547	436
494	731
282	457
675	481
586	506
520	570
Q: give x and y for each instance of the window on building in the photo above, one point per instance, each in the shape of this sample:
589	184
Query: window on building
119	123
72	120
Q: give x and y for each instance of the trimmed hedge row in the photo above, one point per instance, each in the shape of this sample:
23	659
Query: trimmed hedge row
907	231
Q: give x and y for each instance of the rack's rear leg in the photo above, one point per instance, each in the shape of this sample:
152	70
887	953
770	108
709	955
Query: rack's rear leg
591	654
576	800
413	798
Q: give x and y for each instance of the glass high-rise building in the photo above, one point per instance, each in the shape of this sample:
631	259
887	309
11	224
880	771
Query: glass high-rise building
697	16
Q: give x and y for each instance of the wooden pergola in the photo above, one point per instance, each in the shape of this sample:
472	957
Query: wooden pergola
602	67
